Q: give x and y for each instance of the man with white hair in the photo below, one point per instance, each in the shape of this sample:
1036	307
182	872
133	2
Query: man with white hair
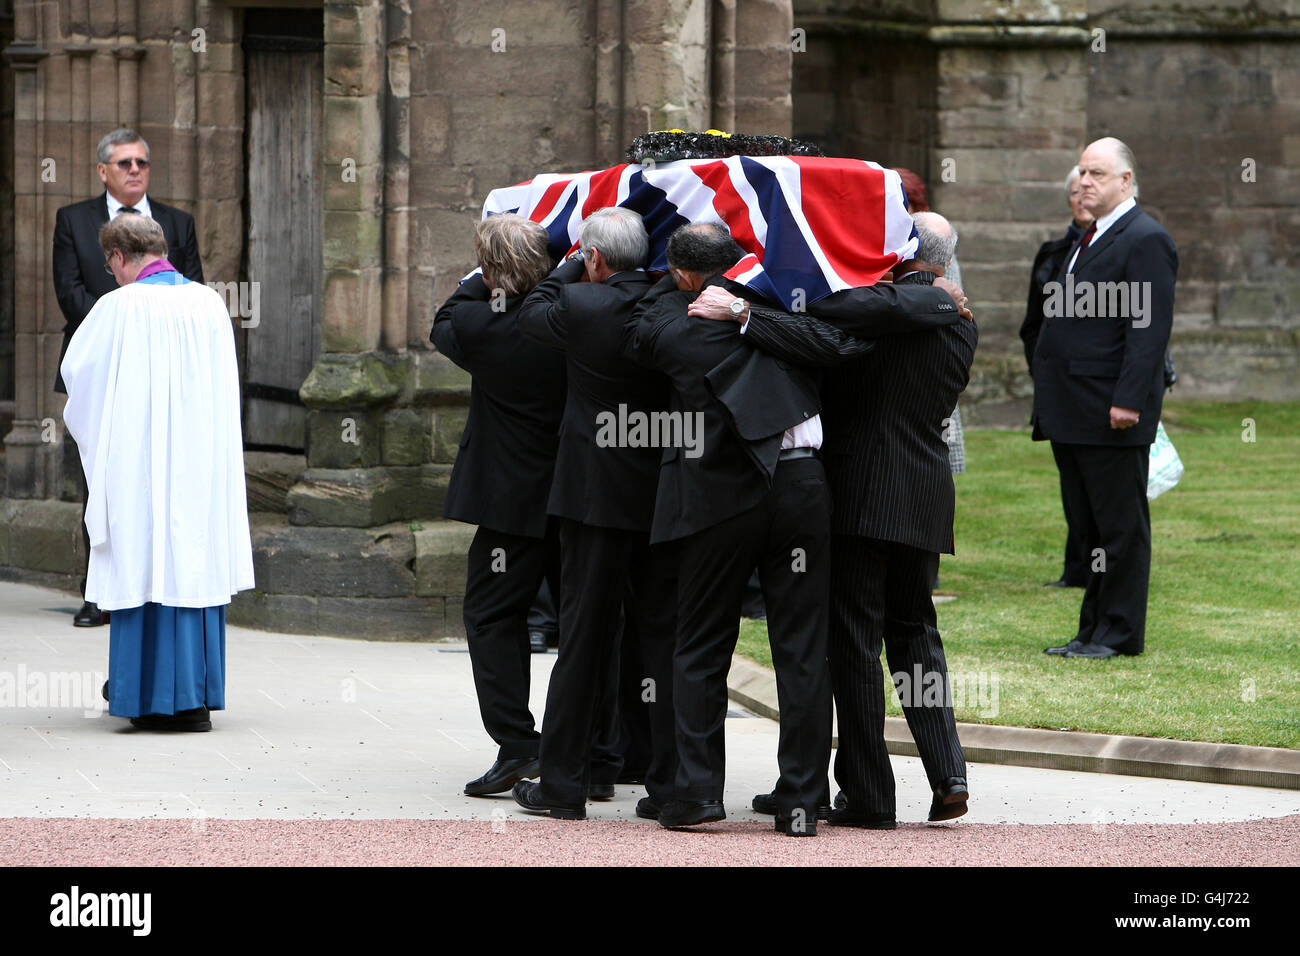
1099	382
153	404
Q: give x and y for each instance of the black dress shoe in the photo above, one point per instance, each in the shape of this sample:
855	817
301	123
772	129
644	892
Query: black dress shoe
766	803
677	814
1064	649
537	642
600	791
1095	651
802	824
841	801
90	616
529	796
197	720
647	808
848	817
503	775
104	690
949	800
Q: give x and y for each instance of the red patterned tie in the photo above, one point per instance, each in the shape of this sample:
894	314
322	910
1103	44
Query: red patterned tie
1083	244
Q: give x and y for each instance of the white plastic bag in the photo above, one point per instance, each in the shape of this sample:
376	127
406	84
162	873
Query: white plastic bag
1166	466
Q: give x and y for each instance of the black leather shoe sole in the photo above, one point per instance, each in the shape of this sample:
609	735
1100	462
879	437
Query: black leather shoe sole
647	808
851	818
90	616
948	808
487	785
185	721
527	795
678	816
1063	649
1093	652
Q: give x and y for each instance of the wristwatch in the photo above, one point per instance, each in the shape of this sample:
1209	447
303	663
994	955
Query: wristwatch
738	308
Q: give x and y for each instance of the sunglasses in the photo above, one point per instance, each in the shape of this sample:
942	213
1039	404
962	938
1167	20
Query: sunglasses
125	164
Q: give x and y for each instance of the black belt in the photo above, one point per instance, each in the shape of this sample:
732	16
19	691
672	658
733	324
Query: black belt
790	454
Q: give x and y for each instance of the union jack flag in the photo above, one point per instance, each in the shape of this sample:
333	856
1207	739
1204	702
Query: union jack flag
810	225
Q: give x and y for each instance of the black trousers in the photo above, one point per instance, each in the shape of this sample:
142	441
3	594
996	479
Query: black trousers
880	594
1077	552
605	572
787	537
1106	486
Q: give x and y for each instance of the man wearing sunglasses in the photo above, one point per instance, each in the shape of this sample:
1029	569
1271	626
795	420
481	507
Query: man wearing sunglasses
80	274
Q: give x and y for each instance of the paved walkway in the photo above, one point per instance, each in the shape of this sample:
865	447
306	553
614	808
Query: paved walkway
335	730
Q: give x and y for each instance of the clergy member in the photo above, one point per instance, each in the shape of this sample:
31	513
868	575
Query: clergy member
153	404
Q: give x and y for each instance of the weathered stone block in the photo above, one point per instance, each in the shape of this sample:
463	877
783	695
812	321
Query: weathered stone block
381	619
342	562
268	476
437	380
41	535
441	557
448	426
343	439
407	436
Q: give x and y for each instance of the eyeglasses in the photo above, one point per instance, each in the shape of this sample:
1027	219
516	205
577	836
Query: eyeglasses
108	264
125	164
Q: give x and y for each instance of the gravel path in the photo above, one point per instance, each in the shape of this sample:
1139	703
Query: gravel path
27	841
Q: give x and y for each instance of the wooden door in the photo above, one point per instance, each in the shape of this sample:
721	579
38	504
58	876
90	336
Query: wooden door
284	66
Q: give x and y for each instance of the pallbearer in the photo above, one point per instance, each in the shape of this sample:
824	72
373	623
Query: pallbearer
153	405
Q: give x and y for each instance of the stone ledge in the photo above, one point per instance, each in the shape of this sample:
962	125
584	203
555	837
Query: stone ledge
754	686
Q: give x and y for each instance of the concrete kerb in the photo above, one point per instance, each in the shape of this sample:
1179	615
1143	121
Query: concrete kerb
754	686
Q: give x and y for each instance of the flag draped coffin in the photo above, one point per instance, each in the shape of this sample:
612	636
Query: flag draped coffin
810	226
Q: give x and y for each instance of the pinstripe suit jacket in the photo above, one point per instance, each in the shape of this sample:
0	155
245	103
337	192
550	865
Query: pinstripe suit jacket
885	410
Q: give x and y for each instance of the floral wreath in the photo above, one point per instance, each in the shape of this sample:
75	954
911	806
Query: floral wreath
663	146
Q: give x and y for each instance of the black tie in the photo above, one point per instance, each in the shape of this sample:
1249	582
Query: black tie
129	209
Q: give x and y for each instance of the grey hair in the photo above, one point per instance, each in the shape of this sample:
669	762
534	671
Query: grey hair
1070	180
619	234
117	138
936	248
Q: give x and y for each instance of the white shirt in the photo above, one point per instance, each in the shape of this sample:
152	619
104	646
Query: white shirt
115	207
807	434
1104	223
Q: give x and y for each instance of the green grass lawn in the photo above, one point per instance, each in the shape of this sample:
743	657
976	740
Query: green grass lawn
1222	660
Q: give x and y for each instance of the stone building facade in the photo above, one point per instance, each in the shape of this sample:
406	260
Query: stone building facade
336	155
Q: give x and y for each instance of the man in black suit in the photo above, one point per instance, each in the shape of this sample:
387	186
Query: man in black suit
1098	386
1048	263
887	463
502	478
603	494
80	276
740	484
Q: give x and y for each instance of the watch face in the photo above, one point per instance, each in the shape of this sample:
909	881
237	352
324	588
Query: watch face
737	306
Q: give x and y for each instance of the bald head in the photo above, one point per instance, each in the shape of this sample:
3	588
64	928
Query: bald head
1107	175
938	240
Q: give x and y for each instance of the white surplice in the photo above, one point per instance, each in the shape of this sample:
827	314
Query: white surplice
153	404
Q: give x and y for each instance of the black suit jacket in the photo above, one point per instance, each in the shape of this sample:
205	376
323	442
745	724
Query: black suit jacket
745	399
79	276
1083	366
608	486
1048	263
885	412
502	475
